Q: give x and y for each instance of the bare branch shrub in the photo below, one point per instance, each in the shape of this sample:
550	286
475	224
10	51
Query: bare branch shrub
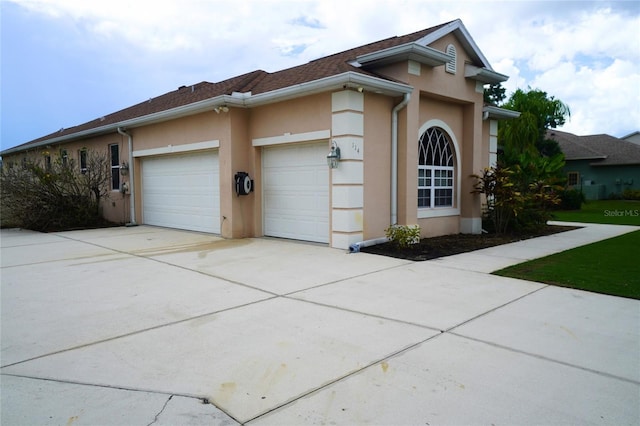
54	195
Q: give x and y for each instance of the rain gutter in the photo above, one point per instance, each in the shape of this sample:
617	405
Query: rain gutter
132	198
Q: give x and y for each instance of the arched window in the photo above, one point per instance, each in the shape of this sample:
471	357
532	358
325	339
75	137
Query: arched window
435	169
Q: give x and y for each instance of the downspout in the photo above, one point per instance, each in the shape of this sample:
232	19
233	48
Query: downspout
355	248
132	198
394	157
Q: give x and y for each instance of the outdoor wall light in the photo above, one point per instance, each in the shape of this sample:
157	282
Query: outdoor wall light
124	168
334	156
222	108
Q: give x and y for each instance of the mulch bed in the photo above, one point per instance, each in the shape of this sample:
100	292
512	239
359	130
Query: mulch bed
447	245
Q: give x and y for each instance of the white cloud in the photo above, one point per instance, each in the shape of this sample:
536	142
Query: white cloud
584	53
602	100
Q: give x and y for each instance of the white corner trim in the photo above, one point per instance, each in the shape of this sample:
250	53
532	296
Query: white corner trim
438	212
292	138
173	149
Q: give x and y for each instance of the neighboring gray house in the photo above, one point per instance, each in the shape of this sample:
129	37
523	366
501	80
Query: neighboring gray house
632	137
601	166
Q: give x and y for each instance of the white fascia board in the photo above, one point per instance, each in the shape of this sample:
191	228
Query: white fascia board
463	36
411	51
484	75
348	79
498	113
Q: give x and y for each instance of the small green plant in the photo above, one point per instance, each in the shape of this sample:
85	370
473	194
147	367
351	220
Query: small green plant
403	235
631	194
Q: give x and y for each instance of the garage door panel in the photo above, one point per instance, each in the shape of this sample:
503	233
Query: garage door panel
182	191
296	192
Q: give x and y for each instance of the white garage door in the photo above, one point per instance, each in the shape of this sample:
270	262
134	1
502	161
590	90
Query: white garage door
182	191
296	192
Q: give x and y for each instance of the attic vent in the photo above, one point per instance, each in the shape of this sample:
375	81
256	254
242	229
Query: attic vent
451	65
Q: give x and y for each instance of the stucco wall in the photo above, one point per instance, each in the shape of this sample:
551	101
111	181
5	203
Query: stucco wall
294	116
202	127
377	165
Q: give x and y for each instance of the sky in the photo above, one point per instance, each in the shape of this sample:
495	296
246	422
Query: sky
66	62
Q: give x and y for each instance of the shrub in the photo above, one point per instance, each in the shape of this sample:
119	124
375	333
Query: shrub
571	199
631	194
56	195
503	201
519	197
403	235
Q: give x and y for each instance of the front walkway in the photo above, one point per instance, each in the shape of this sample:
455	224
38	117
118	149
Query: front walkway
147	325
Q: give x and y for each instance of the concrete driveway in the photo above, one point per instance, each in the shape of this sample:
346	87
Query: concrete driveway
144	325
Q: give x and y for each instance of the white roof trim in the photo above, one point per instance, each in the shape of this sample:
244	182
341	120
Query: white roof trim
411	51
464	37
498	113
484	75
348	79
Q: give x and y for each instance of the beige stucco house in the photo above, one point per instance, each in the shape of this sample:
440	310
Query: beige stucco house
406	113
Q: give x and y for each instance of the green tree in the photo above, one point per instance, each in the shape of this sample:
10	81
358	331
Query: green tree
494	94
538	113
527	182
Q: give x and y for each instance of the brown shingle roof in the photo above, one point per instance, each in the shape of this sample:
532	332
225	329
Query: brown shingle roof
603	149
255	82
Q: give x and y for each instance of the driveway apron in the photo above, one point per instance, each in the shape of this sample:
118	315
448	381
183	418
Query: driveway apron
148	325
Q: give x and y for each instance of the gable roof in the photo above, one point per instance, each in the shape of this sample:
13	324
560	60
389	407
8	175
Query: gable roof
603	149
260	87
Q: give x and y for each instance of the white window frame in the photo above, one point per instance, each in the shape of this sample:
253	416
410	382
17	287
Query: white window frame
82	160
432	186
64	156
115	168
426	212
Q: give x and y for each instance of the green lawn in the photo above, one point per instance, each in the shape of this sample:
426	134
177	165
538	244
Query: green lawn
615	212
609	267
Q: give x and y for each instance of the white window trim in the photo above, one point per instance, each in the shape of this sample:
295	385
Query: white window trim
425	212
115	169
83	170
433	188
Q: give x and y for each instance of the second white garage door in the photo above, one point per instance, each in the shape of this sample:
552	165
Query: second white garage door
295	181
182	191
